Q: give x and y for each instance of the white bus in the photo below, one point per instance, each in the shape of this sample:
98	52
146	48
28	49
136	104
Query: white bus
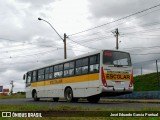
96	74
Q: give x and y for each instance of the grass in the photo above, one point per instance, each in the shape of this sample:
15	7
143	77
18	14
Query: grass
147	82
65	110
13	96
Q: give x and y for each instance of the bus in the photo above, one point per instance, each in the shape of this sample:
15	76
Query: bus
91	76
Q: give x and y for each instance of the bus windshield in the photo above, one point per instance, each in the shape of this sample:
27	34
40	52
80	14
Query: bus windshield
116	58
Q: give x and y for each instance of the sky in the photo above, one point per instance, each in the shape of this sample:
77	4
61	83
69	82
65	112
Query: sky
27	43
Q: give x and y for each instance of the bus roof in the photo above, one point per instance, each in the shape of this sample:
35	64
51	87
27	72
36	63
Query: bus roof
70	59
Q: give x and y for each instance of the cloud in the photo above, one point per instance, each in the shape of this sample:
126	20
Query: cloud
116	9
37	3
27	43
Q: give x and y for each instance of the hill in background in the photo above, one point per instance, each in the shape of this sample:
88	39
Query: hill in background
147	82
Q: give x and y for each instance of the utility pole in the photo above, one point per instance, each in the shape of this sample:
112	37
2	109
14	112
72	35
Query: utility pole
65	49
11	87
157	75
116	34
141	70
64	39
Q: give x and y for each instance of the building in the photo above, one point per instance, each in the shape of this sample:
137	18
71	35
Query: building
4	92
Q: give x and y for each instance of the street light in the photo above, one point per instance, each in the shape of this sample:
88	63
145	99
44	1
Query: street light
64	40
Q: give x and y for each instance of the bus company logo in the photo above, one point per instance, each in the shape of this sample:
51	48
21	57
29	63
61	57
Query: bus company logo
21	114
6	114
56	81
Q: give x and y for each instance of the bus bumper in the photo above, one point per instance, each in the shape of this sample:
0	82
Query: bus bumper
111	91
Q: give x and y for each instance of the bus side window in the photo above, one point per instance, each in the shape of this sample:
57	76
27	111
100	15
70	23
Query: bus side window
94	63
78	67
66	69
71	68
34	76
40	74
61	70
84	65
58	71
50	72
47	73
29	79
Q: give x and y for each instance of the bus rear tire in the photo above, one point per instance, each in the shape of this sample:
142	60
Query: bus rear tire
68	95
55	99
93	99
35	97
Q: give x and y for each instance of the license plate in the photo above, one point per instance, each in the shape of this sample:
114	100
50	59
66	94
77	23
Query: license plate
118	82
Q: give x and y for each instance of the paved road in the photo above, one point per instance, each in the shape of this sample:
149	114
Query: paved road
102	104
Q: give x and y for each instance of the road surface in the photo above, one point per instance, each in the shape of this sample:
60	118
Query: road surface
102	103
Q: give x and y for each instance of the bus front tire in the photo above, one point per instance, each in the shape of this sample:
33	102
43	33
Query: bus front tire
35	97
68	94
93	99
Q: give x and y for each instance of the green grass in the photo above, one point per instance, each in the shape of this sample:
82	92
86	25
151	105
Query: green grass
60	108
13	96
147	82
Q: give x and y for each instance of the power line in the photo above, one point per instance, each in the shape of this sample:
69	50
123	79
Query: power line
27	43
145	35
143	25
147	61
145	53
96	38
154	23
108	31
48	52
96	33
141	47
47	46
141	37
30	54
11	40
83	45
25	49
142	31
35	61
116	20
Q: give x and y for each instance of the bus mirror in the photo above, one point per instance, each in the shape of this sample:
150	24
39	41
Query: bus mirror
24	76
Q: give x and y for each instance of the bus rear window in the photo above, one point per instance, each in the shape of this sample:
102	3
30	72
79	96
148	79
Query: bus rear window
116	58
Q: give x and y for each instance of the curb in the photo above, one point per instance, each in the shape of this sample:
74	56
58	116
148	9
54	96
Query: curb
132	100
139	95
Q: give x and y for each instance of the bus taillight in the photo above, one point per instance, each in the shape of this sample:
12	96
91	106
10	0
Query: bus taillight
103	77
131	80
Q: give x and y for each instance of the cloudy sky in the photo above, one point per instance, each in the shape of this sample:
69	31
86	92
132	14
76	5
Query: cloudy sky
26	43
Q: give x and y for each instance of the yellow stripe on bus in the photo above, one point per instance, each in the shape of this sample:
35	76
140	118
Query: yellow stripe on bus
74	79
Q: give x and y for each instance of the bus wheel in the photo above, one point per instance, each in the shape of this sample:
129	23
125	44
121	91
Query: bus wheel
68	95
93	99
55	99
35	96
